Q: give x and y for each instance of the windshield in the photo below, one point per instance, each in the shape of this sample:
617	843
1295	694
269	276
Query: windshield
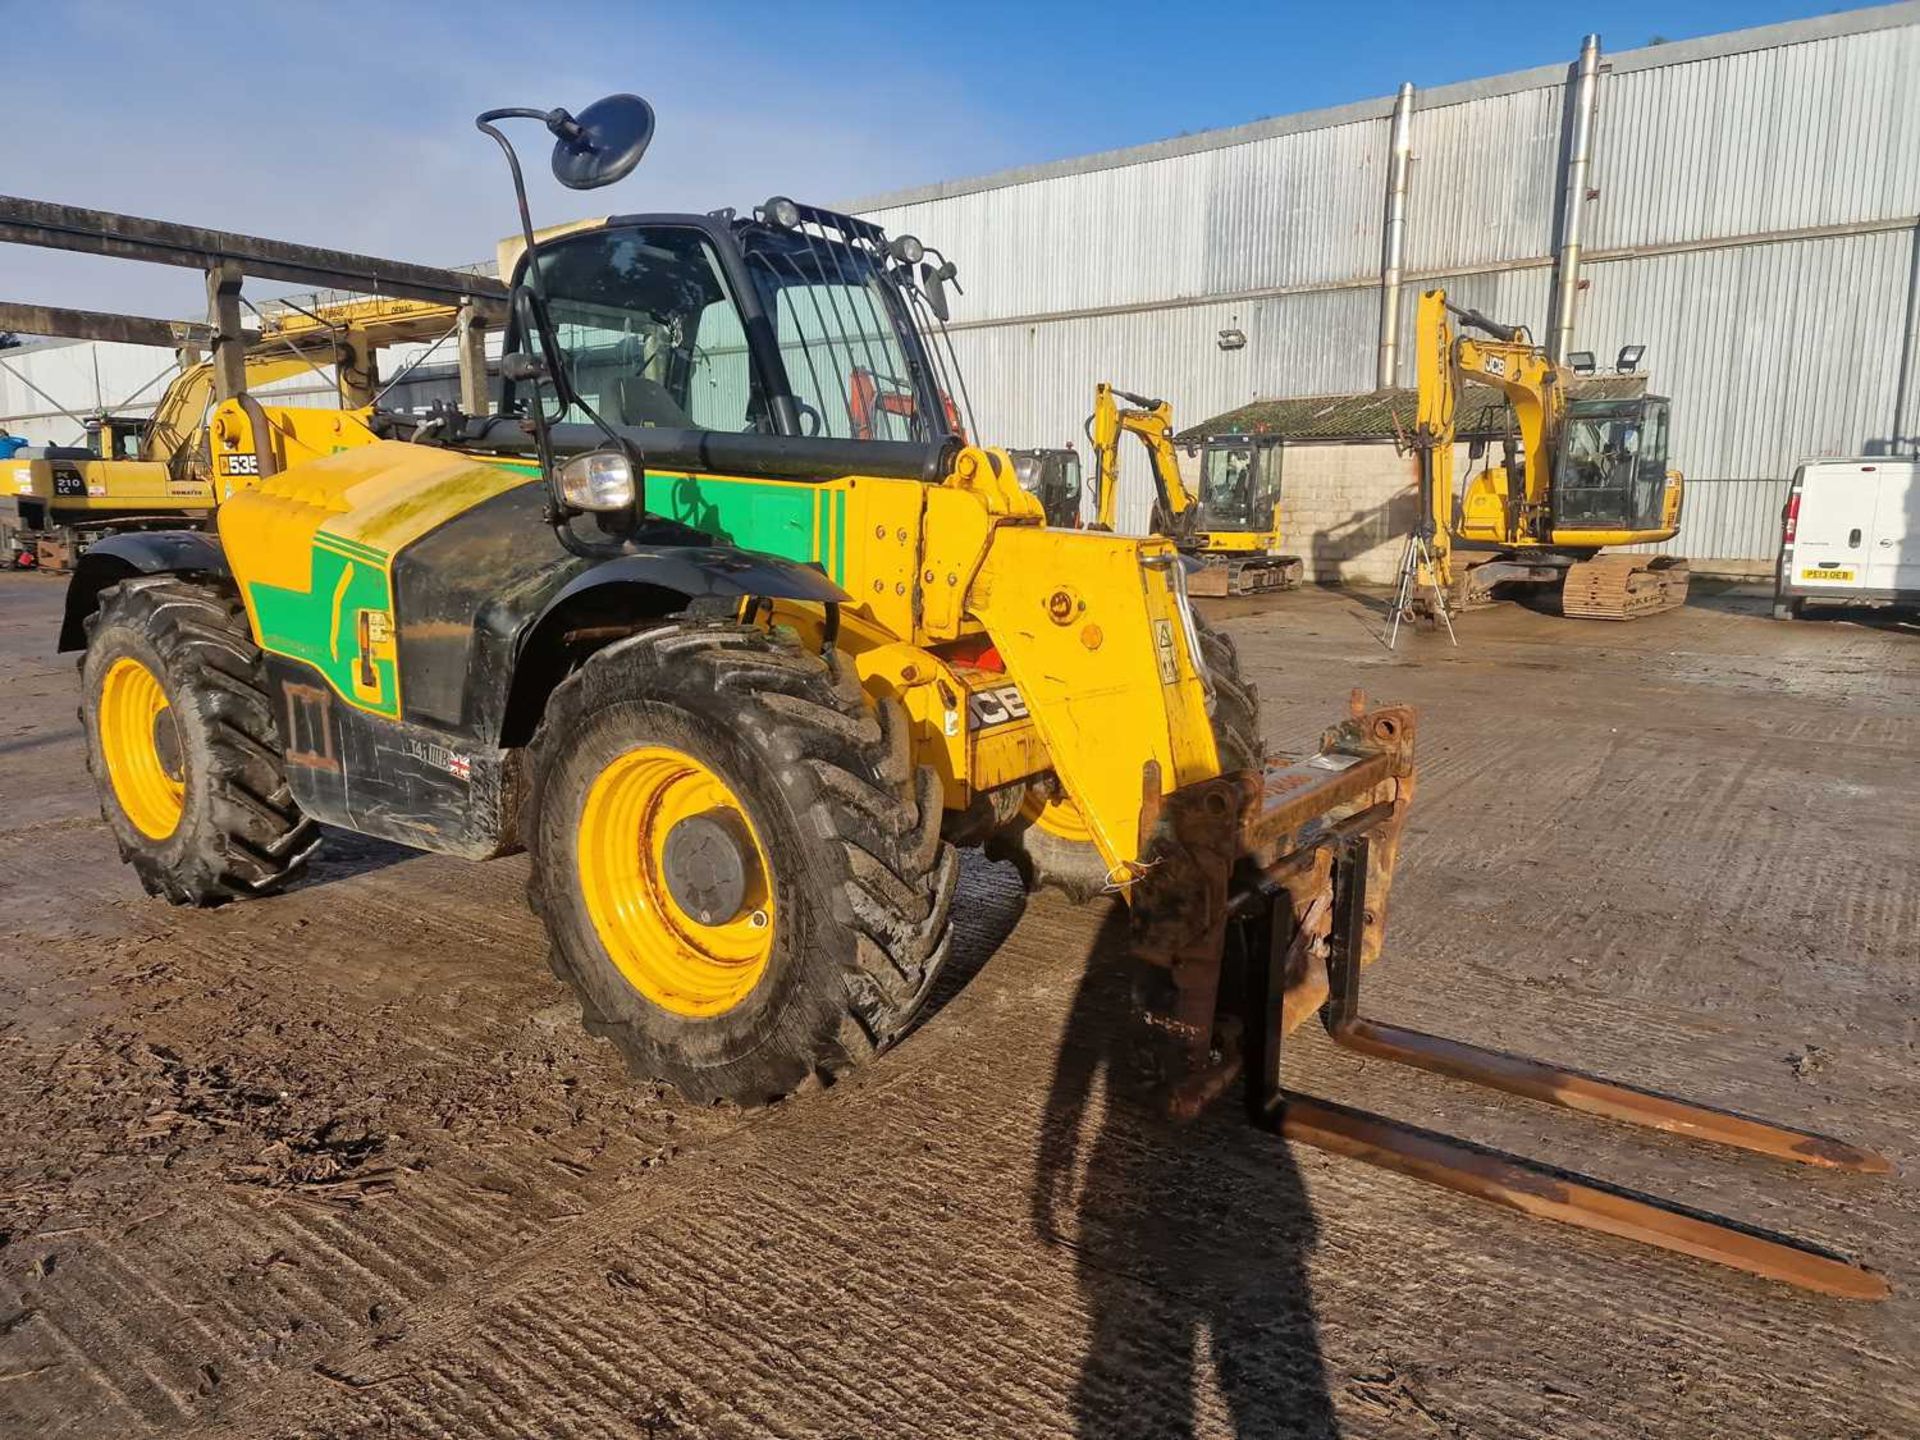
1235	491
847	347
1613	466
648	331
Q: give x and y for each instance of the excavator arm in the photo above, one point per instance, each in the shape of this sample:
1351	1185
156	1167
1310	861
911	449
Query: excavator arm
1509	361
1152	421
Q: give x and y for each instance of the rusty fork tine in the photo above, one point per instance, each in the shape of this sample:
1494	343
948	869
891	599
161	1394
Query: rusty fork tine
1537	1080
1519	1185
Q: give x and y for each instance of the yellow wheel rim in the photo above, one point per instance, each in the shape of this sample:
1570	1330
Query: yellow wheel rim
140	741
671	957
1058	817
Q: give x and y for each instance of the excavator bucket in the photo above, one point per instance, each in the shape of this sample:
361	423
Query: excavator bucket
1266	895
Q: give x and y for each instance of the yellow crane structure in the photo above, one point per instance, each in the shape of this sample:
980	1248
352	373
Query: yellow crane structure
1580	476
141	472
1231	525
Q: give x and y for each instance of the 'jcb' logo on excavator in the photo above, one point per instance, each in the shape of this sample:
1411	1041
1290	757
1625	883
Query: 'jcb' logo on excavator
1493	365
988	708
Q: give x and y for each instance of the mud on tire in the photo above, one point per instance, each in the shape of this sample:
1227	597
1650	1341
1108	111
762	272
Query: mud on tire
861	882
1073	866
239	832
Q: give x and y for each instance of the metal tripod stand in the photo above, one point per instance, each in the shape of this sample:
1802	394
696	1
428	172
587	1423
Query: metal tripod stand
1415	555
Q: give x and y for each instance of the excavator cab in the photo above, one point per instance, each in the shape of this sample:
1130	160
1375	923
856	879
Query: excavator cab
1611	472
1239	486
114	437
1053	478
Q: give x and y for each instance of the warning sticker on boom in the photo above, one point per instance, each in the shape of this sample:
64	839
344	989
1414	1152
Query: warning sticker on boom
1163	648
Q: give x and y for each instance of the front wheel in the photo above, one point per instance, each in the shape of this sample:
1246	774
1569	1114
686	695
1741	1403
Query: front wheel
739	868
182	744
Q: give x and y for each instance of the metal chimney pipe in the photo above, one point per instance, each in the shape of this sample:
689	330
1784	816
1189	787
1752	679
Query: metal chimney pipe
1573	200
1393	248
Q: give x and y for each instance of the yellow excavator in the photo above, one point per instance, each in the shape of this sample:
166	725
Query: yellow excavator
741	680
1580	475
1231	526
138	473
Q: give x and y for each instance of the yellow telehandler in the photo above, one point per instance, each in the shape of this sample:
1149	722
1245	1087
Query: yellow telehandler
740	681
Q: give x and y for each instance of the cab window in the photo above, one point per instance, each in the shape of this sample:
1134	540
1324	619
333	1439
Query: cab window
839	339
1235	493
649	331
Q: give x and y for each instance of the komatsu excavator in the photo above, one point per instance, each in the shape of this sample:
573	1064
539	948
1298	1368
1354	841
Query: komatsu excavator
1231	526
1580	476
740	682
142	473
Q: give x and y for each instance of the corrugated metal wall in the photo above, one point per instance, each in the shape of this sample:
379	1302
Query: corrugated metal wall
1754	228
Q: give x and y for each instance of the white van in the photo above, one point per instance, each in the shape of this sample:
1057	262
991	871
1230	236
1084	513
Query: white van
1850	535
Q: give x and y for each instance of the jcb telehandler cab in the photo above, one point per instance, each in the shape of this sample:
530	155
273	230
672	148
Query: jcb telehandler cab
740	681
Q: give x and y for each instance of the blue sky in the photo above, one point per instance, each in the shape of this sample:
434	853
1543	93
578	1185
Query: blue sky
350	124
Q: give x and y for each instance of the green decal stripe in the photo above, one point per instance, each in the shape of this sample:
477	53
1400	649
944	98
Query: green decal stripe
320	625
791	519
352	549
838	571
756	515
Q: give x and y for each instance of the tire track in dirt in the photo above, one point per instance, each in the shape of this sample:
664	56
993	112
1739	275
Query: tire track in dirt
568	1254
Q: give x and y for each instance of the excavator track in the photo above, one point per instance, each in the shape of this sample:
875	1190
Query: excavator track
1624	587
1255	575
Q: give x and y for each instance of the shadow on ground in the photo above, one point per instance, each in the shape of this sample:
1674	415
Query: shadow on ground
343	854
1190	1240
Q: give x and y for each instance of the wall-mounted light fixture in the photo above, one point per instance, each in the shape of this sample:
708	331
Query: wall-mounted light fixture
1232	339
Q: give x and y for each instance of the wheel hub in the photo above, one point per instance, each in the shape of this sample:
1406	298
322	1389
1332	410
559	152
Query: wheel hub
709	862
166	746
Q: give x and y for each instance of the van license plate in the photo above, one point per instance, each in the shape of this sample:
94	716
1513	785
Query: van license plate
1830	572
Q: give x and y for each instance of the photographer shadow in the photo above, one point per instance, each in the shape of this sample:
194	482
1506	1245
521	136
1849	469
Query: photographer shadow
1190	1239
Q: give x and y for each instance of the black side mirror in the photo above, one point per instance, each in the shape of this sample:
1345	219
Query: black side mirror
933	280
602	144
1476	449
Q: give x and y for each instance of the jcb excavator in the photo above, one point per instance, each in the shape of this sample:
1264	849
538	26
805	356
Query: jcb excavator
1232	526
740	682
1584	474
137	473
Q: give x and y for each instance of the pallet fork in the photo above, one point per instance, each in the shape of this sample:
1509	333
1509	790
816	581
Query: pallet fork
1309	854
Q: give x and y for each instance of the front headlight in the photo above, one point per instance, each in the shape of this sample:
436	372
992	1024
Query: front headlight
600	480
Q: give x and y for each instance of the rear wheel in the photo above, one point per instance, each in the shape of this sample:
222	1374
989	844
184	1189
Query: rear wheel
1050	844
739	868
182	744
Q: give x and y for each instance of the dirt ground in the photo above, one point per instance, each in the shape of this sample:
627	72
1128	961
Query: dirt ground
341	1163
